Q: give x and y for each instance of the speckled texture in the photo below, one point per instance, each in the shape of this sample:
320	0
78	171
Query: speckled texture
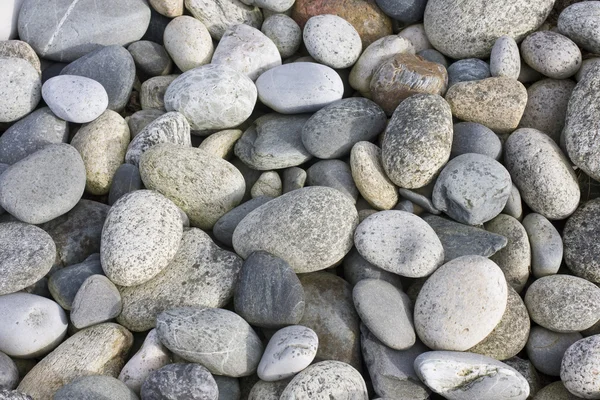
20	85
526	368
268	184
222	143
579	22
586	66
399	242
97	300
151	59
284	32
578	370
334	174
497	103
188	42
65	282
448	322
555	391
95	387
264	390
216	338
9	374
211	106
546	244
552	54
44	185
563	303
514	205
327	380
542	173
225	226
331	40
299	87
220	15
417	141
273	141
14	395
180	381
471	137
545	348
469	69
370	178
152	95
140	119
140	237
472	189
310	228
20	49
470	28
505	58
75	98
26	255
581	241
434	56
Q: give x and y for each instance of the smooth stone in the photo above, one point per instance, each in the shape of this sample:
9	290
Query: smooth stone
415	149
246	50
273	141
497	103
171	127
131	259
98	350
335	174
552	54
330	313
211	106
111	66
472	189
75	98
95	387
555	391
417	36
9	374
386	312
264	273
97	300
327	380
332	131
222	143
229	388
153	92
580	237
470	29
250	175
32	133
578	23
372	57
20	85
141	119
293	178
370	177
20	49
434	56
225	226
156	28
505	59
44	185
356	268
445	321
528	74
515	258
168	8
546	245
299	87
32	325
102	145
546	108
467	70
268	184
149	358
26	255
220	15
331	40
324	222
65	282
462	240
471	137
510	336
545	349
462	376
151	59
189	381
578	370
218	339
8	21
399	242
406	11
111	23
405	75
188	42
279	6
284	32
514	206
542	173
203	186
264	390
526	368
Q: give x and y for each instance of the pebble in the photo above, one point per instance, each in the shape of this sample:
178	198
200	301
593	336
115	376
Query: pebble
370	177
555	391
125	180
542	173
210	108
9	374
552	54
152	95
188	43
545	349
434	56
218	339
22	50
8	22
578	370
406	11
331	40
222	143
168	8
95	386
399	242
97	300
264	390
20	88
505	59
132	259
444	321
417	36
471	137
32	325
546	245
26	255
293	178
563	303
14	395
229	388
577	22
335	174
139	120
151	59
356	268
526	368
220	15
469	69
180	380
462	376
65	282
580	238
75	98
268	184
300	87
225	226
514	206
284	32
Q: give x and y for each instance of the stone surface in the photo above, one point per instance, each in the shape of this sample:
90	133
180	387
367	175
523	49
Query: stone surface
153	92
151	59
578	23
168	8
471	137
526	368
93	387
505	59
545	348
514	205
264	390
579	366
20	88
65	282
20	49
469	69
126	179
222	143
406	11
225	226
284	32
370	177
216	338
97	300
188	42
555	391
75	98
331	40
546	245
268	184
220	15
552	54
9	374
229	388
335	174
189	381
293	178
580	238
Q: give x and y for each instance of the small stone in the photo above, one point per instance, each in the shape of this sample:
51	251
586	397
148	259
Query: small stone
546	349
188	43
555	391
552	54
331	40
139	120
284	32
434	56
220	15
406	11
526	368
471	137
514	206
189	381
125	180
578	23
9	374
65	282
20	49
97	300
293	178
151	59
229	388
268	184
264	390
335	174
370	177
20	85
75	98
278	6
580	237
95	386
467	70
222	143
505	59
356	268
153	92
417	36
546	245
579	366
225	226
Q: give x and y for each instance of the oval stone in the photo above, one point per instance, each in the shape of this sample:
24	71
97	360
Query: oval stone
471	137
19	88
469	69
222	15
95	386
547	245
188	43
370	177
505	59
75	98
581	237
579	23
331	40
180	380
284	32
545	349
579	368
552	54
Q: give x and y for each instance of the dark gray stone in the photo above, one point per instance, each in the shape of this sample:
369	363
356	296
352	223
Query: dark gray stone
52	70
250	176
293	178
545	349
229	388
65	282
406	11
180	381
97	300
469	69
141	119
434	56
151	59
581	238
526	368
335	174
127	179
225	226
471	137
356	268
95	387
156	28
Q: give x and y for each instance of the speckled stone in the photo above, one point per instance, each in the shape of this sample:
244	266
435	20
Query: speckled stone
581	244
447	322
220	15
555	391
552	54
578	370
546	245
65	282
505	59
471	137
526	368
268	184
20	85
331	40
97	300
542	173
470	29
9	374
514	205
284	32
497	103
222	143
139	120
125	180
95	387
417	36
545	348
211	107
356	268
586	65
188	42
335	174
563	303
218	339
75	98
20	49
469	69
152	95
225	226
189	381
140	237
370	177
434	56
406	11
578	22
14	395
151	59
264	390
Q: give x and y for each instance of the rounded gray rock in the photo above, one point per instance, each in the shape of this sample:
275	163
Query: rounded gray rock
75	98
469	69
581	245
218	16
95	387
64	283
9	374
546	245
263	390
578	22
152	95
555	391
97	300
331	40
188	381
151	59
579	367
406	11
552	54
471	137
284	32
126	179
20	49
356	268
139	120
505	59
20	85
188	42
545	349
225	226
335	174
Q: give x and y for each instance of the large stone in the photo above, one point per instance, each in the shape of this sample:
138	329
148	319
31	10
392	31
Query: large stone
20	86
220	15
95	387
284	32
187	381
578	23
581	241
551	54
225	226
578	370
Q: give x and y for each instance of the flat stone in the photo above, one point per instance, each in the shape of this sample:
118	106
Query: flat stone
370	177
580	241
220	15
20	49
505	59
471	137
579	366
188	42
218	339
97	300
356	268
578	23
448	322
546	245
552	54
95	386
65	282
284	32
151	59
190	381
335	174
225	226
153	92
331	40
20	85
75	98
545	349
467	70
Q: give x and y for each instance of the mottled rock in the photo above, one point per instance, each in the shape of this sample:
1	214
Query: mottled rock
467	70
552	54
20	49
189	381
417	36
9	374
284	32
75	98
546	245
579	366
139	120
370	177
188	42
505	59
20	88
555	391
153	92
545	348
220	15
225	226
168	8
526	368
268	184
95	387
578	23
97	300
64	283
264	390
580	237
331	40
221	144
471	137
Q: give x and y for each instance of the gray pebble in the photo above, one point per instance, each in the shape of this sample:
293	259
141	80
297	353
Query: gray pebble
514	205
581	243
264	390
95	387
268	184
331	40
293	178
579	24
586	66
555	391
97	300
471	137
284	32
220	15
126	179
469	69
578	370
335	174
20	85
9	374
229	388
356	268
505	59
526	368
546	245
151	59
188	42
13	395
434	56
546	349
552	54
406	11
75	98
65	282
152	95
370	177
225	226
139	120
279	6
20	49
189	381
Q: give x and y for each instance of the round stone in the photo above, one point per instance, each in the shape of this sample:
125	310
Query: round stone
284	32
546	244
434	56
552	54
93	387
9	374
469	69
370	177
335	174
471	137
278	6
578	23
97	300
189	381
19	88
545	349
75	98
581	244
188	43
65	282
263	390
268	184
578	370
220	16
555	391
406	11
332	41
446	321
505	59
222	143
417	36
150	58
